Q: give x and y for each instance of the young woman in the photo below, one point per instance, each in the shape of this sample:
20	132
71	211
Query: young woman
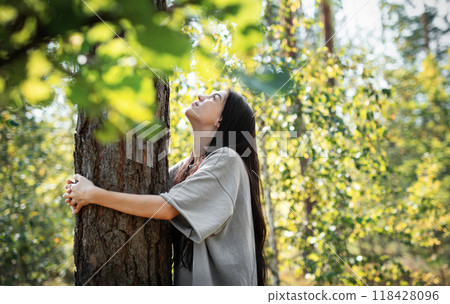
213	204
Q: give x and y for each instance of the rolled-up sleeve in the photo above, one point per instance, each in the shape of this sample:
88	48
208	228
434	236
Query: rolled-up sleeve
205	200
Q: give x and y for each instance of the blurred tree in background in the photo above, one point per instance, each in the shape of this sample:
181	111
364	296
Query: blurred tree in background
418	142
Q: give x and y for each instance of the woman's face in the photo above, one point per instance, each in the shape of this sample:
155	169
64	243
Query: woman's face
205	113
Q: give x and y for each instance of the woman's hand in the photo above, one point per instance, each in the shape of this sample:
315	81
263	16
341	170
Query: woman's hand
67	187
79	194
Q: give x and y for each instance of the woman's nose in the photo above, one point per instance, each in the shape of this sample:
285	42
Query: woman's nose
202	97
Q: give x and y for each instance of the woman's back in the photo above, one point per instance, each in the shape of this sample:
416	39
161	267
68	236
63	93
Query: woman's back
215	212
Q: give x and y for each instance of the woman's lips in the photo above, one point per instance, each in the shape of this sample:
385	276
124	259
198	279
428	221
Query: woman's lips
195	103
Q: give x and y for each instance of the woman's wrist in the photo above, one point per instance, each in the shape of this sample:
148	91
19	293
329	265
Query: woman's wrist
95	195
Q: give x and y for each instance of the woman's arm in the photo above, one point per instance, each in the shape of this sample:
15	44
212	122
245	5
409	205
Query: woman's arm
145	205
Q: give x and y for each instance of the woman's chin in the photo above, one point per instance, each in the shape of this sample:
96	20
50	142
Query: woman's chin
190	113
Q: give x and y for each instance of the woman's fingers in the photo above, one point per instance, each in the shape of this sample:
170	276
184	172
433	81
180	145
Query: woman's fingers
68	186
77	209
72	204
67	195
69	199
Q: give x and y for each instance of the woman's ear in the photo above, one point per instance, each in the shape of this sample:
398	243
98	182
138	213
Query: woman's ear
217	124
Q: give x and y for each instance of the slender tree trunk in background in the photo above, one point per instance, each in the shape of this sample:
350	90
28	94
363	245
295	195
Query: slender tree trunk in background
328	29
273	263
99	231
328	24
308	204
4	160
328	20
287	21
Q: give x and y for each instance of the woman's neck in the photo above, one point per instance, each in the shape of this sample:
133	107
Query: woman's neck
201	140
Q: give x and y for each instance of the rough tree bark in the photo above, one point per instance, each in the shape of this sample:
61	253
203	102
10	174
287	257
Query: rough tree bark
99	231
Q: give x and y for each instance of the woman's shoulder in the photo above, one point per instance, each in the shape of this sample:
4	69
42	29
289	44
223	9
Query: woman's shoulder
224	157
217	156
225	151
223	154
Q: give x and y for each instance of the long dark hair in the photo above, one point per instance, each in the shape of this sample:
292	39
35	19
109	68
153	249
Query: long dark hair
237	116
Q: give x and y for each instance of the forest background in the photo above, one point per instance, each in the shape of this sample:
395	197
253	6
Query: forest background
352	107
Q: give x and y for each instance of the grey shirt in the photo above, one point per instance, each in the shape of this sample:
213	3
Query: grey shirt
215	213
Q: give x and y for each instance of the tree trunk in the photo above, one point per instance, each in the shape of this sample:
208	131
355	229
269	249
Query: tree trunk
328	24
299	123
110	247
101	232
328	31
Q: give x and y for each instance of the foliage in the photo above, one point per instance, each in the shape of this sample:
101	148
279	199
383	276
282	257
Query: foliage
35	224
109	52
333	150
418	150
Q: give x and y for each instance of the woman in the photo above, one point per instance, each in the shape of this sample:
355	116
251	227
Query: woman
214	201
